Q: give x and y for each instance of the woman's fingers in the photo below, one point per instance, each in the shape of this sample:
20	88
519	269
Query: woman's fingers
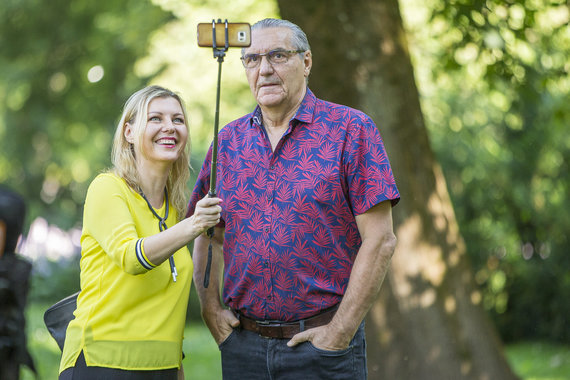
208	211
209	205
207	201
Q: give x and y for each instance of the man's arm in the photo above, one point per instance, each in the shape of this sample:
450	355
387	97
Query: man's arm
219	320
368	272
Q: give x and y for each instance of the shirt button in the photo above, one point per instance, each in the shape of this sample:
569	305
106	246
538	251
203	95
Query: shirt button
266	229
272	167
269	197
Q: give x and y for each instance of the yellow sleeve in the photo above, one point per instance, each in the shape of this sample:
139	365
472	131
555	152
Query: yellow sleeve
110	217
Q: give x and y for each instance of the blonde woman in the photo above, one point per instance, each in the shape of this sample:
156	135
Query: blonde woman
136	269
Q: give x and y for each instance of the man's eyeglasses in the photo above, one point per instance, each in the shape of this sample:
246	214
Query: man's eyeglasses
275	57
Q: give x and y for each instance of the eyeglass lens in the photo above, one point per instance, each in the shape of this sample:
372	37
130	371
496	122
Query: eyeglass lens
274	57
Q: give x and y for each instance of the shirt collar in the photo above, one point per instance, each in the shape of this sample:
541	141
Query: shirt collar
307	108
304	114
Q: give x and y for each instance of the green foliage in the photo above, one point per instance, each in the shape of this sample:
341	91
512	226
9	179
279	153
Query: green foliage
193	71
66	69
494	82
54	280
539	361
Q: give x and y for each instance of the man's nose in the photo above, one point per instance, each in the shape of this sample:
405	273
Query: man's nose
265	67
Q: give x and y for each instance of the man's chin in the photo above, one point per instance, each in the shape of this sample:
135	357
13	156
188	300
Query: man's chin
270	100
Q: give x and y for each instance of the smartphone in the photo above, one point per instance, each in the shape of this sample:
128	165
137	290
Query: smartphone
239	34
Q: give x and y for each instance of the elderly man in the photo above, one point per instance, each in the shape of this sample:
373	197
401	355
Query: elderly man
306	230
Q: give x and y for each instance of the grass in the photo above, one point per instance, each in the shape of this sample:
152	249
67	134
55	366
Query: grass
539	360
529	360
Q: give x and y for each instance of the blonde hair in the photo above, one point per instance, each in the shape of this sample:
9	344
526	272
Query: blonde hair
123	155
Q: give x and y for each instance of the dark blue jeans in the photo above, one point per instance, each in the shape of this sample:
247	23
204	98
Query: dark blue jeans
246	355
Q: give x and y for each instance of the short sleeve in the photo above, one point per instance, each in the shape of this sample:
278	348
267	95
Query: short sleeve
367	168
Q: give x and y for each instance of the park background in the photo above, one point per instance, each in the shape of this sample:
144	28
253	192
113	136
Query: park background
471	98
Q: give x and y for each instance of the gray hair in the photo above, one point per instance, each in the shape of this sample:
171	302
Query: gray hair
298	37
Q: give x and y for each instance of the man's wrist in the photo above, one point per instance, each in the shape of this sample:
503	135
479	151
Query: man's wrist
211	309
343	331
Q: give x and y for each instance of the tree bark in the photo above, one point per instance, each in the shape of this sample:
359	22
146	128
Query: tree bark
428	322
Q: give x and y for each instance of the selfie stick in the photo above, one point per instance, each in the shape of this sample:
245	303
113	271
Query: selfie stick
219	53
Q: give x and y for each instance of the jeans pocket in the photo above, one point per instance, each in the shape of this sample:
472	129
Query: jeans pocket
334	365
335	353
226	341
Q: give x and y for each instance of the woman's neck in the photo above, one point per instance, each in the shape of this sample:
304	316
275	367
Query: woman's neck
152	183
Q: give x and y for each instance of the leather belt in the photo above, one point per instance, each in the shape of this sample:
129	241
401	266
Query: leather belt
285	330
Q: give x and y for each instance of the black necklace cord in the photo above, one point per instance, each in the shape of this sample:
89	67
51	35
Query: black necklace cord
162	226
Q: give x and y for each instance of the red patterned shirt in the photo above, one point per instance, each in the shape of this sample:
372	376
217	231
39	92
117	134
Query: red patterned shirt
290	234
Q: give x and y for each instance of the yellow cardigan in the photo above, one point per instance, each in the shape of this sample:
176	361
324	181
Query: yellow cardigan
127	317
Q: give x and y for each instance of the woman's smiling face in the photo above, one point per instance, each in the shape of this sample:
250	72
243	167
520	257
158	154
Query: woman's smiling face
165	134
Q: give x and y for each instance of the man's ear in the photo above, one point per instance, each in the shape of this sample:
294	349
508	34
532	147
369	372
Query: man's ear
128	132
308	61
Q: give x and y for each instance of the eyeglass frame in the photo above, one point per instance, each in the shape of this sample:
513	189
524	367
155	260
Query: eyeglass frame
267	54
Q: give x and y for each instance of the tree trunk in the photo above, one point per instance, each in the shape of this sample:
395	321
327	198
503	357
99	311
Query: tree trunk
428	322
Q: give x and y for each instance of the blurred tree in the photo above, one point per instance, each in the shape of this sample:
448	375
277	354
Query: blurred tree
429	322
66	71
495	88
68	66
192	70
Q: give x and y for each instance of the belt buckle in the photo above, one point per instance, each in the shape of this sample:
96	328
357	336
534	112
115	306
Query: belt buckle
263	327
268	323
